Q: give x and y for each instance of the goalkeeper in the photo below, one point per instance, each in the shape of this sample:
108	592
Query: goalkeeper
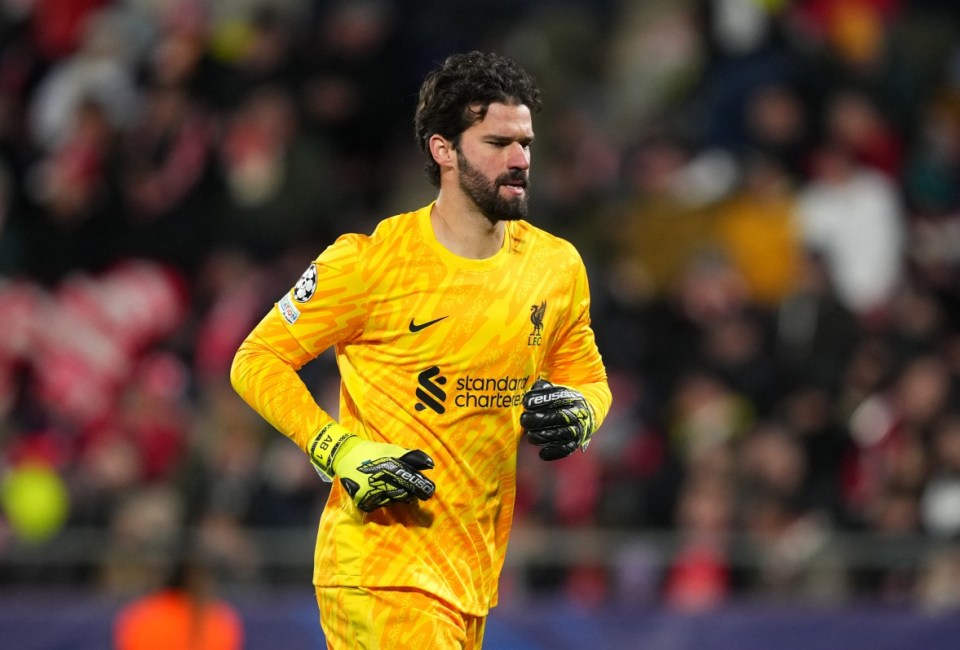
443	321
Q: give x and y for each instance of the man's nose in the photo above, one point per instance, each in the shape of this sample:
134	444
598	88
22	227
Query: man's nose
519	157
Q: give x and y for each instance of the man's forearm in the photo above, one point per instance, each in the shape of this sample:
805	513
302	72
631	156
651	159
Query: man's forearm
274	390
599	396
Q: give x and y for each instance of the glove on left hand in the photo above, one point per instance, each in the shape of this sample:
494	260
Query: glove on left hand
557	418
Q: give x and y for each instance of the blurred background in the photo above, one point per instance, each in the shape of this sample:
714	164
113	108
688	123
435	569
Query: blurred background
767	197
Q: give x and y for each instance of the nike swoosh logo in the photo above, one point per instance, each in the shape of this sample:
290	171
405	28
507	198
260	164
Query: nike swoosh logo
416	327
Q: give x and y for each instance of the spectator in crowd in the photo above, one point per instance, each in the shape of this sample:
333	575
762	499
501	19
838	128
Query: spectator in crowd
757	229
167	180
852	217
272	170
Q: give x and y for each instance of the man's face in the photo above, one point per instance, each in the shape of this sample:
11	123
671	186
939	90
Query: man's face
493	161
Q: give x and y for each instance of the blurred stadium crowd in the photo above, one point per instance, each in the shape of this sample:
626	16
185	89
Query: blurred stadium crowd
766	193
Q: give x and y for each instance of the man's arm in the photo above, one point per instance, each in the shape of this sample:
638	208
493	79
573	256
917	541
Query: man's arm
269	383
374	474
564	409
324	307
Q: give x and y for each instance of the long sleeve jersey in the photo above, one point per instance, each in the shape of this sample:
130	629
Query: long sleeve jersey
435	353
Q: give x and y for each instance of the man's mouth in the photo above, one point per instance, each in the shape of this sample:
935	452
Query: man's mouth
515	186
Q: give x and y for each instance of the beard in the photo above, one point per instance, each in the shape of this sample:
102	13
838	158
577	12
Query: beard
486	193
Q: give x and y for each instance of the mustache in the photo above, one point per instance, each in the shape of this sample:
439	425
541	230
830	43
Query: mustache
514	177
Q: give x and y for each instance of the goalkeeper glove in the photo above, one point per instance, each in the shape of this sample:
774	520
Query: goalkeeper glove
374	474
557	418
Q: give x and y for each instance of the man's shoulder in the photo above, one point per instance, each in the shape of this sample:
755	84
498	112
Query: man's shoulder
383	235
531	237
396	226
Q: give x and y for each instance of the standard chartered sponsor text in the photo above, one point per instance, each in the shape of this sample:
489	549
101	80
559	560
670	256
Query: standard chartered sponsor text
490	392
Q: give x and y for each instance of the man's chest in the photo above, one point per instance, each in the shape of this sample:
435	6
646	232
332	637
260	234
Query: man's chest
474	322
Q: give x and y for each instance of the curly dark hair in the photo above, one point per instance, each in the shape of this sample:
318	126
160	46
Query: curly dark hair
458	93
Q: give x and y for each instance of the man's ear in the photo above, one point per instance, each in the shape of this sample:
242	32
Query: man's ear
442	150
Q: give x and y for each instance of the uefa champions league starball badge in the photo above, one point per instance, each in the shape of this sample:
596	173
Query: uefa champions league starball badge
306	285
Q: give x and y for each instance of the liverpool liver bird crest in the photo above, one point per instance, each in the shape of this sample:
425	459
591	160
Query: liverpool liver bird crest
536	317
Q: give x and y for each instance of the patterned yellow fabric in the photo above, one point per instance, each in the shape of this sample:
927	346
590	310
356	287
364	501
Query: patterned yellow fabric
435	352
354	618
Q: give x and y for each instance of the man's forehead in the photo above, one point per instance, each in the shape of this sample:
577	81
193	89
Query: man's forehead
505	116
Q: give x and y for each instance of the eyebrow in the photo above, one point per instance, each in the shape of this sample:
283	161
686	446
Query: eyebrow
506	139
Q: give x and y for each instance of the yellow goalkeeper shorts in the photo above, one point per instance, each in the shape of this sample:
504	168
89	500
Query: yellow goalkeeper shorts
360	618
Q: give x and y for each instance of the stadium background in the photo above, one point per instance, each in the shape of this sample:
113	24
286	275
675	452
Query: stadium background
765	193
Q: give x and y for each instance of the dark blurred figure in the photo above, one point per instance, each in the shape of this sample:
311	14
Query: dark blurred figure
790	539
778	125
168	181
354	87
280	181
699	575
75	116
180	56
72	199
814	332
855	121
748	54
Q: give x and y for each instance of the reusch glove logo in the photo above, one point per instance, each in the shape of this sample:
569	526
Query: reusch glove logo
429	392
556	418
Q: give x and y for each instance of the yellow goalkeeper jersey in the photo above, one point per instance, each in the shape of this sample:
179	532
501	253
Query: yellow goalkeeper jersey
435	353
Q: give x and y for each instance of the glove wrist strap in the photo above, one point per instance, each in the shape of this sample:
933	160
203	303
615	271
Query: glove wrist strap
325	446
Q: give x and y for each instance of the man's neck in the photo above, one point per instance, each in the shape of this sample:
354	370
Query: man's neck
465	231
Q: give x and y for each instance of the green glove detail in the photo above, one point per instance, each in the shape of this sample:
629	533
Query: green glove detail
374	474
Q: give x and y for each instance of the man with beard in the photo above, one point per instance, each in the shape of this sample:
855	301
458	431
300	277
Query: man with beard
458	328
